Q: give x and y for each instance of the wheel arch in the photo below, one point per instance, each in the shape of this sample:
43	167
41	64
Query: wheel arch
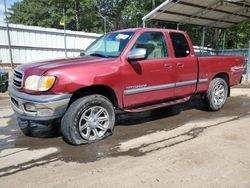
104	90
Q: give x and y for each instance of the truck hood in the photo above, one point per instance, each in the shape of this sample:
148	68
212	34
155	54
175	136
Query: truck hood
40	68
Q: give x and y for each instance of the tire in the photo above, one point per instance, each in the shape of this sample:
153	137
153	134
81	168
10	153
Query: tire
216	95
88	119
6	86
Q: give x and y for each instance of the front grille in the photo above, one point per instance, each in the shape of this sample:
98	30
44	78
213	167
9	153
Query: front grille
17	78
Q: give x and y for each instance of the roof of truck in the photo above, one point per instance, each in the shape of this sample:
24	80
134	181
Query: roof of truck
149	29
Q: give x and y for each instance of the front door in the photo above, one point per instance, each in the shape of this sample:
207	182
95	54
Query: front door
152	79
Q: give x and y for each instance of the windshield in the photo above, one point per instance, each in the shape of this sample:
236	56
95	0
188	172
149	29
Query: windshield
109	45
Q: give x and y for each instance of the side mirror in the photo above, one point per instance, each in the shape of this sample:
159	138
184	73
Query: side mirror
137	54
82	53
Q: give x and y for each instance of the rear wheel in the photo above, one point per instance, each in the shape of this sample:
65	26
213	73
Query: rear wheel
216	95
88	119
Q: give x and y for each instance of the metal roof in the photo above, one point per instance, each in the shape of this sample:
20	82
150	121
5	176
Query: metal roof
209	13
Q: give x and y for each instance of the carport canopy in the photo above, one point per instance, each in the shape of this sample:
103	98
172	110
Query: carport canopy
208	13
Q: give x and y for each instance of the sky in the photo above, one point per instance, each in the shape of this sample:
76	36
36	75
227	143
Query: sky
8	3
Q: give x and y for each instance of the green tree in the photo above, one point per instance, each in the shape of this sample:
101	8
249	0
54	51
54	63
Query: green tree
32	12
49	13
238	36
89	15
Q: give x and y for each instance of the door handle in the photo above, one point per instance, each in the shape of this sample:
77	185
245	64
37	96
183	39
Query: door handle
167	65
180	64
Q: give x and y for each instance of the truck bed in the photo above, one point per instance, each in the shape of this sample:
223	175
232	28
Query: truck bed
209	66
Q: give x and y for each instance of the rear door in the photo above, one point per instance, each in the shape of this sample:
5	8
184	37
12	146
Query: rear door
152	79
186	65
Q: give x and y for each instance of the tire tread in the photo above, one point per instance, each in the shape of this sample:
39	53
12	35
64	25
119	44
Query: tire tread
69	132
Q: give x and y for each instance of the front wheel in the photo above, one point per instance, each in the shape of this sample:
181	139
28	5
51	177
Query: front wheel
88	119
216	95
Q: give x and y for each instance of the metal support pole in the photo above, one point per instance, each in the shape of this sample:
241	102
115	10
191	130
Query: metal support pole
143	24
178	26
248	64
8	33
64	33
105	21
105	25
224	41
203	40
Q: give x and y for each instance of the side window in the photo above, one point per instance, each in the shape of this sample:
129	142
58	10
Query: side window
154	43
180	44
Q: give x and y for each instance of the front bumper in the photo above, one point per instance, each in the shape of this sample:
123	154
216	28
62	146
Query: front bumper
38	107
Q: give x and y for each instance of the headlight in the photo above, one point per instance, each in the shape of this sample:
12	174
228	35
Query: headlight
39	83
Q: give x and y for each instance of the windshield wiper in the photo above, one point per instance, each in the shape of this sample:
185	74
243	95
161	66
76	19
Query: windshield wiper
99	55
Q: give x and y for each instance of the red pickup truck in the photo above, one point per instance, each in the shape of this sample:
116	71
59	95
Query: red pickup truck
132	70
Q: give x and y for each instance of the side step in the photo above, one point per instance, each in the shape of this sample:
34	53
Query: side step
159	105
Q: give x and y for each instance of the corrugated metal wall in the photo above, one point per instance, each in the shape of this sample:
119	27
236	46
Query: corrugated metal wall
31	43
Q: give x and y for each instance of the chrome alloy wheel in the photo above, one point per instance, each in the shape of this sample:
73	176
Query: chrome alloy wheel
94	123
219	95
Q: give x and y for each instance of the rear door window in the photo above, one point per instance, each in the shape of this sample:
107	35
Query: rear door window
180	45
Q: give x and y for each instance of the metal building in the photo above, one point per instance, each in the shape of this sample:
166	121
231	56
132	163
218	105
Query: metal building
32	43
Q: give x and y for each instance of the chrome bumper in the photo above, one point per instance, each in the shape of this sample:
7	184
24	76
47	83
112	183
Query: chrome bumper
38	107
